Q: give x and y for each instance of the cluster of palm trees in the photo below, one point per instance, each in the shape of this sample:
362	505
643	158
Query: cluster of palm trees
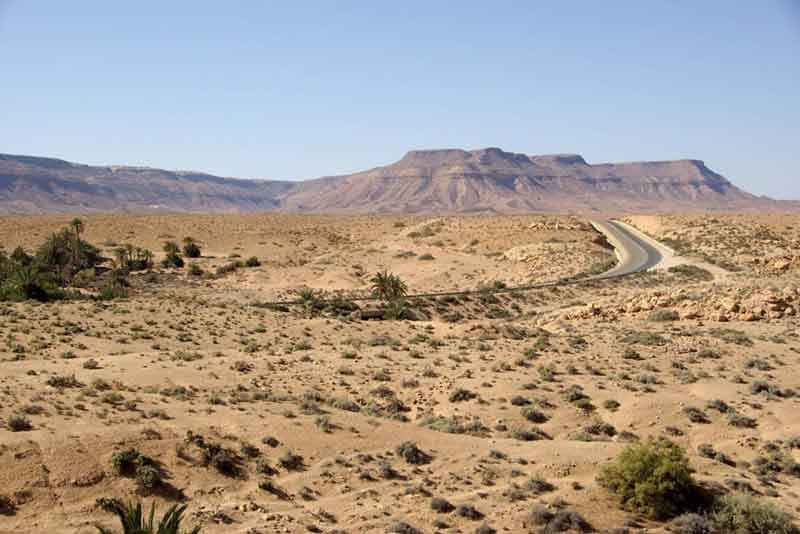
53	265
64	253
131	258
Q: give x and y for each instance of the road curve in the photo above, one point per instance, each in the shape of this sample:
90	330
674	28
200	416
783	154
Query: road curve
635	251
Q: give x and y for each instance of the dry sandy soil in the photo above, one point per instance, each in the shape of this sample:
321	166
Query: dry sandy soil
312	406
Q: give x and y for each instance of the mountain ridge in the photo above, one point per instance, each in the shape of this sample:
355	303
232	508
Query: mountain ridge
451	180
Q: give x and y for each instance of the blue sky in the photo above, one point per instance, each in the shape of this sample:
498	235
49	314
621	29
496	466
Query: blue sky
295	90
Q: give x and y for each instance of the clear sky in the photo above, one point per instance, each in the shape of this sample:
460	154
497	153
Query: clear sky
302	89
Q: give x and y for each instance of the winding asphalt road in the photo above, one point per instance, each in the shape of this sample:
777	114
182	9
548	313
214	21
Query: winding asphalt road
635	251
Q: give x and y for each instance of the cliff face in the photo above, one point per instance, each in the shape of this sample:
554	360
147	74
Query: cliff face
489	180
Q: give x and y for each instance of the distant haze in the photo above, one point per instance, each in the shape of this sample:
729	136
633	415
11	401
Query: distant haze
297	90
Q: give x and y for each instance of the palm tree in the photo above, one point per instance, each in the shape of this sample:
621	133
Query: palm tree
388	286
147	258
77	228
121	257
133	521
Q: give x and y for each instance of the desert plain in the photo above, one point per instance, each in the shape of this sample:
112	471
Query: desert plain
467	414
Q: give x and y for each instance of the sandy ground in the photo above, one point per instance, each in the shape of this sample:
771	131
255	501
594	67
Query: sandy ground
483	386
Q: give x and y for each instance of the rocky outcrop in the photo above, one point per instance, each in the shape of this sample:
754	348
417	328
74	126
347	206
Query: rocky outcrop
706	304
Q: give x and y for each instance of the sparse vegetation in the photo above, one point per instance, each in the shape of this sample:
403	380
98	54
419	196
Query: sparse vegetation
298	390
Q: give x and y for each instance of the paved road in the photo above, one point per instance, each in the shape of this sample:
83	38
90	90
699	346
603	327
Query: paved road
635	251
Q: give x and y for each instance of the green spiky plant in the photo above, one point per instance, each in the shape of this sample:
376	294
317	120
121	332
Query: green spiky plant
133	521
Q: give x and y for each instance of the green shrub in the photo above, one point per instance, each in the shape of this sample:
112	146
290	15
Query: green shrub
29	282
441	505
190	248
743	514
63	381
396	310
173	257
222	270
148	476
7	505
462	394
291	461
252	261
84	278
663	315
691	272
692	524
730	335
195	270
126	462
533	415
653	478
649	339
412	454
19	423
113	291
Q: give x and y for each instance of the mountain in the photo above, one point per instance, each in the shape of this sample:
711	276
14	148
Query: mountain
45	185
491	180
488	180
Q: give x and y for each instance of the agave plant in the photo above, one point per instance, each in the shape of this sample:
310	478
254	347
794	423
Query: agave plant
133	521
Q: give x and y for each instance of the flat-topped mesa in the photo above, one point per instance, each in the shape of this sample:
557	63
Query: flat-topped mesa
485	157
455	156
